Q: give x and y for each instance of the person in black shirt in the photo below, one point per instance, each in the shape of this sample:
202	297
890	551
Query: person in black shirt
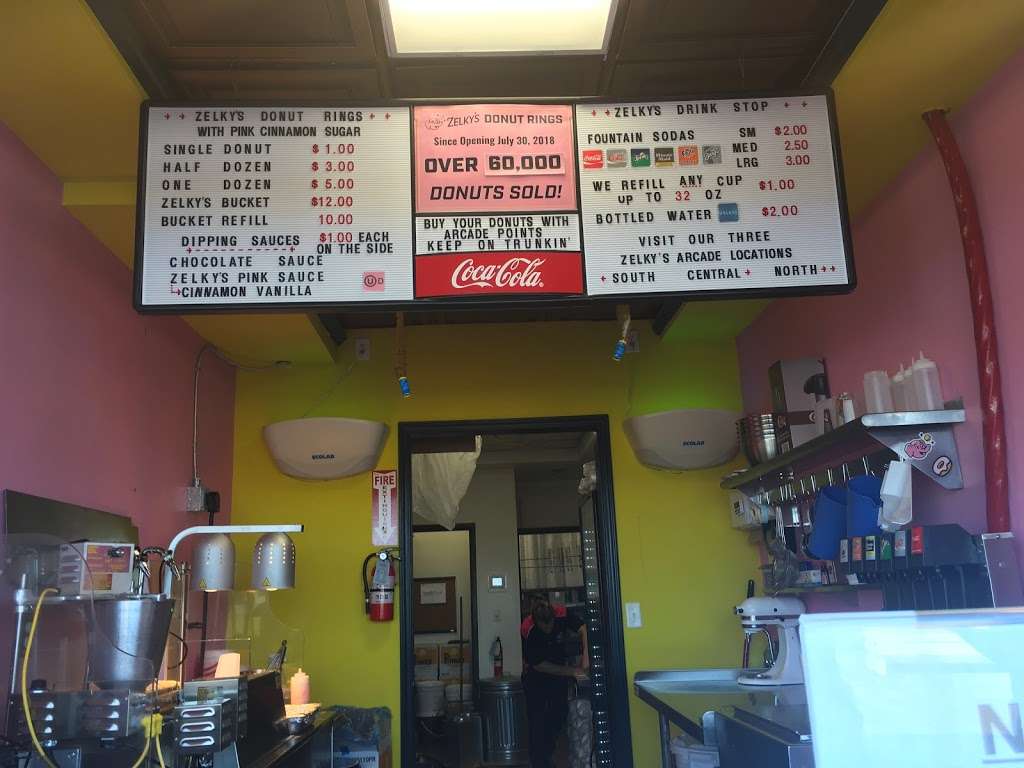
546	680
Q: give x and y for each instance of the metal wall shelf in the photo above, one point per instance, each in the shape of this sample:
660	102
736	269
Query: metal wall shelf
826	588
923	437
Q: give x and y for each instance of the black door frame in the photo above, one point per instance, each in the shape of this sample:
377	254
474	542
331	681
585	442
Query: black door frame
608	552
470	528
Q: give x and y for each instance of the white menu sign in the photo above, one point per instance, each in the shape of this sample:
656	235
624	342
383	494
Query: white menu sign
268	206
723	195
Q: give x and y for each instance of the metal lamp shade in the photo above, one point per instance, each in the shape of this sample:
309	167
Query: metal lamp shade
273	562
213	563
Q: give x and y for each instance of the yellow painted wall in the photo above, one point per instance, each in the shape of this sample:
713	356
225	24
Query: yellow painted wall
678	556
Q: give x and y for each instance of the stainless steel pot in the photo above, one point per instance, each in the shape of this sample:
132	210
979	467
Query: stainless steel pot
128	634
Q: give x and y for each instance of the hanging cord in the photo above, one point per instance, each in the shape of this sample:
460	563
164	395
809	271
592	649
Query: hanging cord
620	345
330	390
195	461
401	362
154	727
195	394
24	679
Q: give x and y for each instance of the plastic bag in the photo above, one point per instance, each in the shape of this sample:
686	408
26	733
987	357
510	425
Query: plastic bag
897	496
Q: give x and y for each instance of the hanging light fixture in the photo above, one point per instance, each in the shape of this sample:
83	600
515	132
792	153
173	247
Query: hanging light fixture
273	563
273	559
213	563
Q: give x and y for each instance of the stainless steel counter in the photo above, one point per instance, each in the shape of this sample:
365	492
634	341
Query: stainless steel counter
689	698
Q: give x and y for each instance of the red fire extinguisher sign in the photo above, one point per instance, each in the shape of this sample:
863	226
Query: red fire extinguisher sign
385	508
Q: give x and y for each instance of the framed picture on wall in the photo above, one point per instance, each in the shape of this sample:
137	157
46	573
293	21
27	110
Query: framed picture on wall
435	605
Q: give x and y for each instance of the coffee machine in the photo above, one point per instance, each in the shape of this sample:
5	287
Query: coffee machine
760	615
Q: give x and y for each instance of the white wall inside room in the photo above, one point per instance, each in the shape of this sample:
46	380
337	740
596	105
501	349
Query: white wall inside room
547	496
440	554
490	504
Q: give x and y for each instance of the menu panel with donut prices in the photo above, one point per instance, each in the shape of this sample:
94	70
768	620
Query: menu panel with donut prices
268	207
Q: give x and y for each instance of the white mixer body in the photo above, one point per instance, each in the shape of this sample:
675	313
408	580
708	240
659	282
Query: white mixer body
757	613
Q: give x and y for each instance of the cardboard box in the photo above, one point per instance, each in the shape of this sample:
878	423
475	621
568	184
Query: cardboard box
451	657
426	662
792	394
368	755
96	567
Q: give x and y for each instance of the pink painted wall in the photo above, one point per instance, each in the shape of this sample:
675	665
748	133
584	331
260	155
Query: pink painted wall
913	295
95	400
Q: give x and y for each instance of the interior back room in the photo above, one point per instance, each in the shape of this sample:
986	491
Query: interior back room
678	556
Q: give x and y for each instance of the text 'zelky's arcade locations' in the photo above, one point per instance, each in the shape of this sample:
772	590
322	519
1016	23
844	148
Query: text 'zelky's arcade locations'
495	201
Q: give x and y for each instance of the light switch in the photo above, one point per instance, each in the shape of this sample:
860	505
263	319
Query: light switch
633	618
362	349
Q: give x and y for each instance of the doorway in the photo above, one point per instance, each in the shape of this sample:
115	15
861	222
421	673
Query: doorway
568	560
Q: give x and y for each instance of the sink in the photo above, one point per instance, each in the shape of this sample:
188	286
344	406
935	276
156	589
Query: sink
691	681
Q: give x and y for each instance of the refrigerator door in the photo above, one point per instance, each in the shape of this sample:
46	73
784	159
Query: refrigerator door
595	608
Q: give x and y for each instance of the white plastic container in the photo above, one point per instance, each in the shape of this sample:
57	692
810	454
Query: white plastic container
429	698
298	687
908	387
687	754
926	384
451	693
849	407
877	392
899	390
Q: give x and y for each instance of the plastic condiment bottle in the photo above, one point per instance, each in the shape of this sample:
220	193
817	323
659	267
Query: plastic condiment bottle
299	687
899	392
908	387
877	392
926	384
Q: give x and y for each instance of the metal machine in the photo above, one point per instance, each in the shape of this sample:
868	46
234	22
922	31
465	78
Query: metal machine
757	616
88	651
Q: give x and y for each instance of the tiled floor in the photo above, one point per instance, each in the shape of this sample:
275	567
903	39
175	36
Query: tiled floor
432	742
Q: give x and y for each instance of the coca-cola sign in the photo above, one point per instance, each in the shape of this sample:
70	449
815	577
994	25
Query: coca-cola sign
516	272
468	274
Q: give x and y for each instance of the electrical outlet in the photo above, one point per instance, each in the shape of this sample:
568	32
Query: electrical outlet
633	618
195	498
632	342
362	349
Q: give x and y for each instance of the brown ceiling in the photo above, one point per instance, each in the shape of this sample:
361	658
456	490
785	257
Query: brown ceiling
222	50
334	49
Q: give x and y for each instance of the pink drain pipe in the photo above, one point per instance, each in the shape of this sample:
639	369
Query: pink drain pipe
997	498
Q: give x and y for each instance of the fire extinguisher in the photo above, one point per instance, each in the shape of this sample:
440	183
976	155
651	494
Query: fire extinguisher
379	590
498	657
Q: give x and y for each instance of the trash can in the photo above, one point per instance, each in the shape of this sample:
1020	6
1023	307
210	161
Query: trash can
503	708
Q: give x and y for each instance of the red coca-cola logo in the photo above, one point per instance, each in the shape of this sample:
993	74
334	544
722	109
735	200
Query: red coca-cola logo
514	273
510	272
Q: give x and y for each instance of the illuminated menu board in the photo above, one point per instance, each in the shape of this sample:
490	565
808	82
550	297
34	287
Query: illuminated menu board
710	196
263	207
253	207
496	200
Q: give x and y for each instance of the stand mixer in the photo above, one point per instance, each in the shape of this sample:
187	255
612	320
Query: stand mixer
757	614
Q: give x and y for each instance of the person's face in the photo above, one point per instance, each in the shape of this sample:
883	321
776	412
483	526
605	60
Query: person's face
546	626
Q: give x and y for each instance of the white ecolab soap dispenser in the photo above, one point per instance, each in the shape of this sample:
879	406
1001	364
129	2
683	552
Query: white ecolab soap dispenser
927	389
